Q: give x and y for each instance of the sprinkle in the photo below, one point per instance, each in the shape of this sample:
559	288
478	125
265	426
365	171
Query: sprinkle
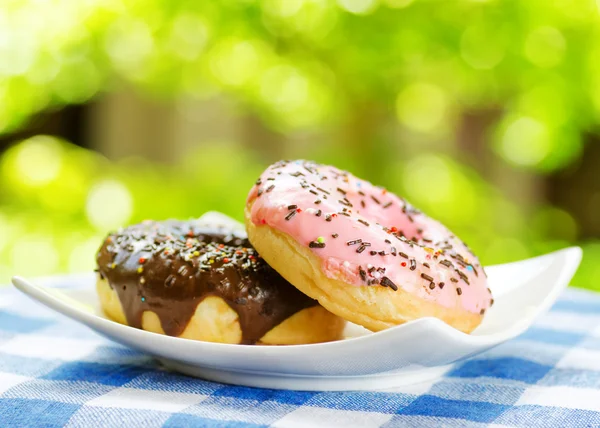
413	264
342	191
363	274
458	291
260	192
363	222
114	265
362	204
140	269
320	239
317	202
258	182
271	187
290	215
328	217
453	279
482	311
373	252
344	213
334	235
446	263
196	253
315	244
361	248
143	299
403	264
463	277
292	207
431	285
345	202
401	254
353	242
382	253
426	265
313	192
427	277
361	193
393	251
441	284
324	191
318	214
387	241
386	282
389	204
375	199
491	302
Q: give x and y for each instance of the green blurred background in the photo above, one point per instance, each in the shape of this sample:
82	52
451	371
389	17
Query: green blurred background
485	114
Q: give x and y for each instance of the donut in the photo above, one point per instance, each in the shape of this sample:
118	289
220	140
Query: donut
364	253
190	280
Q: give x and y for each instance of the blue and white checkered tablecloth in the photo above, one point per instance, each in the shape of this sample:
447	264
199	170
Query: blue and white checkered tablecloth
54	372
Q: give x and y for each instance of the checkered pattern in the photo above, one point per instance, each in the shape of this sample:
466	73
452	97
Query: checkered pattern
54	372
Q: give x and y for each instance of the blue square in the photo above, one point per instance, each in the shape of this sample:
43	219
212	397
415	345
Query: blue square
185	420
476	411
578	306
534	416
361	401
261	395
553	337
18	324
26	366
20	412
503	368
106	374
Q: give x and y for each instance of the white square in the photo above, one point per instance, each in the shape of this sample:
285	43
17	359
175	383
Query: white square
310	417
580	358
50	348
413	389
130	398
568	321
562	396
8	380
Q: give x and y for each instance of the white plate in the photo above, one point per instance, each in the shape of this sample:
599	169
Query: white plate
410	353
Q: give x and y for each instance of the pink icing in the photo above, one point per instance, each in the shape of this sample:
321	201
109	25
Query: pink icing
286	197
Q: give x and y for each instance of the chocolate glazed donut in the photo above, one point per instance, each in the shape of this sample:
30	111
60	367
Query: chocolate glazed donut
170	267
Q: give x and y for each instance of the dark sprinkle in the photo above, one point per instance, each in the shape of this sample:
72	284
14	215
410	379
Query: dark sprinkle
441	284
372	269
361	248
334	235
373	252
363	222
458	291
258	182
401	254
324	191
382	253
389	204
386	282
491	302
446	263
426	265
345	202
292	207
271	187
427	240
387	241
394	251
362	203
413	264
290	215
363	274
354	242
431	285
260	192
344	213
453	279
313	192
319	212
342	191
315	244
361	193
427	277
296	174
481	312
375	199
317	202
328	217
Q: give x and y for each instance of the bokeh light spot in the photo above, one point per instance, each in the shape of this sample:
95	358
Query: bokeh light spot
83	255
285	87
525	142
545	47
358	7
109	205
34	255
38	160
481	47
421	106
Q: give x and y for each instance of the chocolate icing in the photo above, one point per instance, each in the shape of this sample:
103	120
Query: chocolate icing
169	267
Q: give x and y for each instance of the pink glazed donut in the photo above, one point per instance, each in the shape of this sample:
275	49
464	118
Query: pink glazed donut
364	253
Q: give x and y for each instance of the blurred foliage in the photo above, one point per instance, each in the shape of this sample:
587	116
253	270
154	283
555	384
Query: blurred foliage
301	66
